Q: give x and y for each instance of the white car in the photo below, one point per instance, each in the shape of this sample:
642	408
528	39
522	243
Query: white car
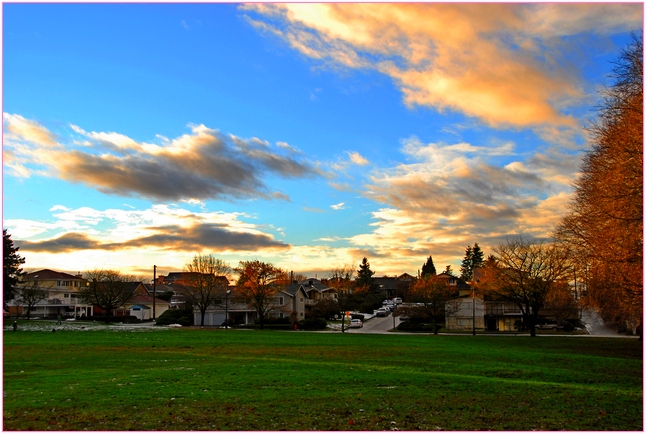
356	323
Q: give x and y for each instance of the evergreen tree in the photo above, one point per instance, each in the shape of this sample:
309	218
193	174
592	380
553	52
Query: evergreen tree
11	269
364	275
473	259
428	268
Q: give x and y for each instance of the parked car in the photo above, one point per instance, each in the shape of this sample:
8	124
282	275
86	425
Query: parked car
552	326
356	323
397	300
381	312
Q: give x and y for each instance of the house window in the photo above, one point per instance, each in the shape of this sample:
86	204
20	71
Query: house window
281	300
66	295
76	283
301	299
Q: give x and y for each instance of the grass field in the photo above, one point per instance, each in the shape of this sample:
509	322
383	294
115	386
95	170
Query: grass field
193	379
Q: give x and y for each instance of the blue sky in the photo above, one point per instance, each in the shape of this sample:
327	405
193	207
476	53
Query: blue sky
306	135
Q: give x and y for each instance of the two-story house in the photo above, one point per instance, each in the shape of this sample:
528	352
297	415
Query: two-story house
61	295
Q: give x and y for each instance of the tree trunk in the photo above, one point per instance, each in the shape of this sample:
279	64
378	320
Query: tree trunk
202	313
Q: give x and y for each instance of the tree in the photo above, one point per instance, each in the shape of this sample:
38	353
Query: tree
433	295
106	289
428	269
342	280
364	275
30	294
448	270
604	226
11	270
204	281
257	286
525	272
473	259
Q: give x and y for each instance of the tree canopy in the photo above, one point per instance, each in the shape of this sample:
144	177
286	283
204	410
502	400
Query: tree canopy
204	281
428	268
11	270
473	259
525	272
604	226
364	275
107	289
258	284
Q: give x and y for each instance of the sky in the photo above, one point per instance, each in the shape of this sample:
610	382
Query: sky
304	135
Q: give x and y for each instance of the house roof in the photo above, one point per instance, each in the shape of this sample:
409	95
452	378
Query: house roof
147	299
49	274
314	284
293	289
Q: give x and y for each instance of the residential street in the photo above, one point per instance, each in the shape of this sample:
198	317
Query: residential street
377	325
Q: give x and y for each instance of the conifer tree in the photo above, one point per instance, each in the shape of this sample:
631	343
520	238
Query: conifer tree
11	270
473	259
428	269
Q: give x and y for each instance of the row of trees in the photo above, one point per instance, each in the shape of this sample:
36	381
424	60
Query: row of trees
603	229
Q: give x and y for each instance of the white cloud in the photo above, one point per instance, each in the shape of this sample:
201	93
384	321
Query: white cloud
357	158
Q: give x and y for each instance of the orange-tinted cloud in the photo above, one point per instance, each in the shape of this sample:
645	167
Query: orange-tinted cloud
499	63
204	164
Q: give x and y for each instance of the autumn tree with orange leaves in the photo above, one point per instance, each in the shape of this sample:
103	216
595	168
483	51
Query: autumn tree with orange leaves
604	227
258	284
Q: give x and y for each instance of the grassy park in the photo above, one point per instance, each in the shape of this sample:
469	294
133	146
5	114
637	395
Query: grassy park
213	379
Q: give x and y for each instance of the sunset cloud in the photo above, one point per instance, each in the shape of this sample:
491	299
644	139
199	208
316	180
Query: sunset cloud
499	63
158	228
203	164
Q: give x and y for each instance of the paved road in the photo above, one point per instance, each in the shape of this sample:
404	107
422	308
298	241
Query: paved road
377	325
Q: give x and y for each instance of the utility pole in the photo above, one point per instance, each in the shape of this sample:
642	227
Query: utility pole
154	279
473	311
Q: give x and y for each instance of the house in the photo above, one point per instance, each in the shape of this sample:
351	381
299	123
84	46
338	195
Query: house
393	286
465	312
135	288
62	289
502	315
288	302
141	306
455	283
315	290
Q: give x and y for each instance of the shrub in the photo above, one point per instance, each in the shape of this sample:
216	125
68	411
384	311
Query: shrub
413	326
274	321
313	324
177	315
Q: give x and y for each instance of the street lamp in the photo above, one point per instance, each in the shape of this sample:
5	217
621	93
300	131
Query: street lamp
227	309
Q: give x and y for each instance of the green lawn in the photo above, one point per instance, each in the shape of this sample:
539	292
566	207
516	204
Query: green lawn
192	379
